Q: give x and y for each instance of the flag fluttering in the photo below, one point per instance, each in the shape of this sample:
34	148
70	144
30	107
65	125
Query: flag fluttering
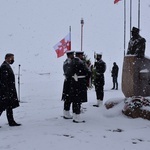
116	1
63	46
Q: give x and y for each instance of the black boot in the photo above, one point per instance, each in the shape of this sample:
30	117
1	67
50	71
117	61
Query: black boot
113	86
10	118
12	124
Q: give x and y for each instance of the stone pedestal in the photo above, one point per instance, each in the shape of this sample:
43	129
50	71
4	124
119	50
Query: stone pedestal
136	76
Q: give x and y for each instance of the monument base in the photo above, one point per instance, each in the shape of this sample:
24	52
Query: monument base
136	76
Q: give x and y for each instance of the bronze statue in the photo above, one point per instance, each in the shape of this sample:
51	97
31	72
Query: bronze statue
136	44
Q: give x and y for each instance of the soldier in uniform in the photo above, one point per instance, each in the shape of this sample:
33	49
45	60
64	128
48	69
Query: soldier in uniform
8	93
78	91
99	81
136	44
66	87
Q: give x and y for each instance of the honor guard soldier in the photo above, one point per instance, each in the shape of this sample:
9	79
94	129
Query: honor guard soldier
78	91
99	81
66	88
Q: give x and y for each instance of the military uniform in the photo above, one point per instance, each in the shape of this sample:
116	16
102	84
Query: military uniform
78	90
66	87
99	81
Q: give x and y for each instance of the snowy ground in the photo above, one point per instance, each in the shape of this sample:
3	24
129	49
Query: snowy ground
44	128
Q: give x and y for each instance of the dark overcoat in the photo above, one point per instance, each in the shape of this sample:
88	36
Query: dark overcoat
8	93
78	91
67	81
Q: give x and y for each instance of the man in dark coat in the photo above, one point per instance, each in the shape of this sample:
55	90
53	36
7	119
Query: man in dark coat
99	81
136	44
66	87
78	91
114	74
8	93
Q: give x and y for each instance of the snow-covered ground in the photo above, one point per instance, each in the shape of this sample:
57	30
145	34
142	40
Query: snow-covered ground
43	126
30	29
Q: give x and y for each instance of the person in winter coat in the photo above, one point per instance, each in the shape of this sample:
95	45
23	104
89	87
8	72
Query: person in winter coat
78	91
136	44
99	81
8	93
66	87
114	74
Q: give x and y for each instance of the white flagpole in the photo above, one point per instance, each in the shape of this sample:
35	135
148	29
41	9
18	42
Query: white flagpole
130	16
19	82
139	14
124	26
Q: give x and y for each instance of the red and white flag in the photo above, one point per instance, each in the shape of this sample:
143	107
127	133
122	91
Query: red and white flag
116	1
63	46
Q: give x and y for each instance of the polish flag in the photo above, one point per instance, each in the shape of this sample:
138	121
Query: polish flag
63	46
116	1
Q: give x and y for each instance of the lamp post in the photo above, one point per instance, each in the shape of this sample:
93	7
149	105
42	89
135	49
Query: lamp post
82	23
19	82
139	14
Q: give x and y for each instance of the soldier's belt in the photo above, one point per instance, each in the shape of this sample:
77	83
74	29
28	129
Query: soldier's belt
98	73
77	77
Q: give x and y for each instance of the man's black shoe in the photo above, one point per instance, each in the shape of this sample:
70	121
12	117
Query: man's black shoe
14	124
95	105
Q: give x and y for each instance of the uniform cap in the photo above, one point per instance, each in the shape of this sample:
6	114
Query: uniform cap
69	52
79	52
99	54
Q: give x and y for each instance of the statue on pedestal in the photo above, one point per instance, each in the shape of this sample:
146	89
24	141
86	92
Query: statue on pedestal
136	68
